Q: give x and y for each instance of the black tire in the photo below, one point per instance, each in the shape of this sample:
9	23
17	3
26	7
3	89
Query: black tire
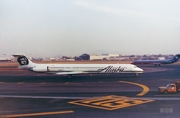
165	92
70	76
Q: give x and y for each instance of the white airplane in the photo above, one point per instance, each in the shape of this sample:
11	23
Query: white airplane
71	69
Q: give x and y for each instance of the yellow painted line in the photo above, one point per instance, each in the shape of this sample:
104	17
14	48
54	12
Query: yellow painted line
86	105
87	101
37	114
145	88
111	102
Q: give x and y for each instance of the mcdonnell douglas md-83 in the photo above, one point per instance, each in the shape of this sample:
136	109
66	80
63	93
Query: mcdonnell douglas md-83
157	62
71	69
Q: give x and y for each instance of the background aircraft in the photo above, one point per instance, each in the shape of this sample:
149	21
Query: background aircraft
70	69
5	59
157	62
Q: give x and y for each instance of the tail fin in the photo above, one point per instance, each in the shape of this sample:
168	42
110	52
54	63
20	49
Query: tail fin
176	58
23	60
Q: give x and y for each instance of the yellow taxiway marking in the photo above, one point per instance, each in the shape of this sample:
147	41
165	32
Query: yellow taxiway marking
145	88
111	102
37	114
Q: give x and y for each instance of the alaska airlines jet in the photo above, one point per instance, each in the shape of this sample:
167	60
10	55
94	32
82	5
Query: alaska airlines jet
157	62
71	69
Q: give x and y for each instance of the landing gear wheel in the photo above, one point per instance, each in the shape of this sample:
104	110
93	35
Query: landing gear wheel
165	92
136	74
70	76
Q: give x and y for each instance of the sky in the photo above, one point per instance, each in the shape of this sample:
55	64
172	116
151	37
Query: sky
46	28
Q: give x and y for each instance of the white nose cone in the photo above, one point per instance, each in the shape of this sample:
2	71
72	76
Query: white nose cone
140	70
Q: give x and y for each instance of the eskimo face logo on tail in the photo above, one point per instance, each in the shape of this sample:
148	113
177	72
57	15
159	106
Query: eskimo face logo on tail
23	60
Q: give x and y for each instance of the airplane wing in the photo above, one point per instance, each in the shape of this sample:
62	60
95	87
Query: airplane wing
69	73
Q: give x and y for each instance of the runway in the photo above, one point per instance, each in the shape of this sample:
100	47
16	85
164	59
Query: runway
28	94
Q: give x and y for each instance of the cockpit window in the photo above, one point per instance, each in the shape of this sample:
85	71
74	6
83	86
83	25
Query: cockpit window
135	66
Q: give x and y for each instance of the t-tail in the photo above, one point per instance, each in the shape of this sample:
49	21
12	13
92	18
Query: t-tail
176	58
23	61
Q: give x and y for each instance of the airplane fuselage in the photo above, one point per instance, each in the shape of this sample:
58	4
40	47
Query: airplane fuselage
71	69
157	62
152	62
83	68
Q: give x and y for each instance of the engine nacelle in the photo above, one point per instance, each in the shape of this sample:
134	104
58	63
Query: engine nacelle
39	69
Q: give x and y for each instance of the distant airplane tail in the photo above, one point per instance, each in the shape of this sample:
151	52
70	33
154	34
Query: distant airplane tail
176	58
23	61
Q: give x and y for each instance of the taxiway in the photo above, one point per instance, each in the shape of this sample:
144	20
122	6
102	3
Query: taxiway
24	94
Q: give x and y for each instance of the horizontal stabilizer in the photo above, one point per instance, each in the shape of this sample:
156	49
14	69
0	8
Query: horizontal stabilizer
16	55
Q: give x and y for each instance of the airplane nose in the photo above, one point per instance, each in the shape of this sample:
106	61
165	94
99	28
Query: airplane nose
141	70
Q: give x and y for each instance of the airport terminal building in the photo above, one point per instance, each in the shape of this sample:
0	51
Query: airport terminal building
92	57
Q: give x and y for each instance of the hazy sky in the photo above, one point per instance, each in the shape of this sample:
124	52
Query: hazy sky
74	27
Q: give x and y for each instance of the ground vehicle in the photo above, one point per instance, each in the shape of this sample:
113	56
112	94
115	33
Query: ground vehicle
170	88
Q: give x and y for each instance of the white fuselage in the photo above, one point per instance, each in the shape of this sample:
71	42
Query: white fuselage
82	68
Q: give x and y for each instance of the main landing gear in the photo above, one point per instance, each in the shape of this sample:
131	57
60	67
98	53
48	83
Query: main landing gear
136	75
70	76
